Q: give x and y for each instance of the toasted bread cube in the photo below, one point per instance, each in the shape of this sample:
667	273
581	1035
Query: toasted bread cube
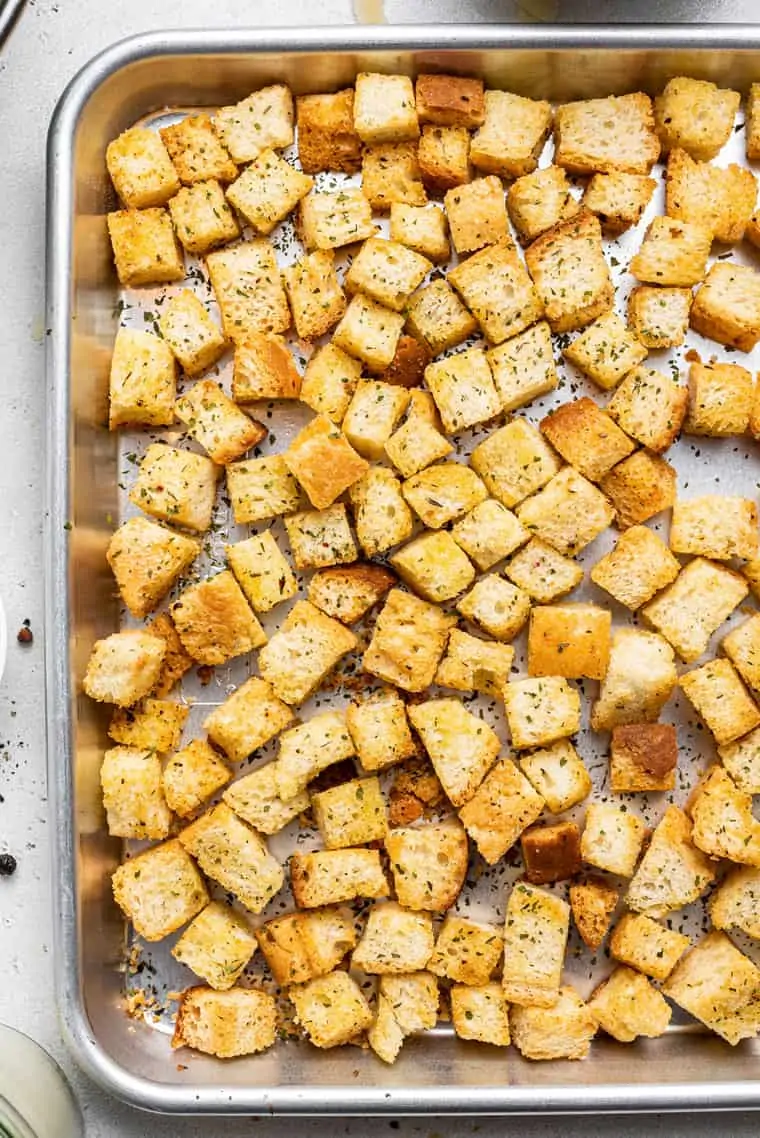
558	775
444	157
261	488
672	872
315	295
627	1006
231	853
261	570
497	289
641	675
650	407
523	367
449	100
640	487
385	1037
637	568
155	724
331	1009
723	822
300	946
387	272
480	1013
407	368
462	748
370	332
504	804
384	108
593	902
394	940
321	537
176	486
497	606
568	513
689	611
735	904
391	174
159	890
752	123
716	525
543	573
674	252
263	368
659	317
192	336
539	711
142	382
607	135
643	756
612	838
303	652
742	758
570	640
247	719
407	642
643	944
242	1021
255	799
488	533
443	493
472	664
217	946
751	572
176	661
213	420
264	119
326	137
191	776
551	853
463	389
696	116
329	381
429	864
248	289
202	218
146	559
329	877
144	247
563	1031
514	462
477	215
570	273
726	307
539	200
718	985
586	437
437	316
381	515
324	462
347	594
413	999
268	190
434	566
215	622
133	798
141	168
351	814
124	667
416	444
421	228
720	400
332	220
372	416
618	199
380	731
535	936
196	152
512	136
466	951
720	198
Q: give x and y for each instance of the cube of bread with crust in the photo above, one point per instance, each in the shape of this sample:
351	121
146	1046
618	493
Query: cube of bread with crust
514	462
535	937
461	747
523	367
751	572
618	199
176	660
421	228
543	573
331	1009
570	640
327	140
512	135
264	119
443	492
742	760
242	1021
323	461
428	864
202	217
726	307
142	382
407	642
255	798
384	108
248	289
496	287
444	157
720	198
437	316
488	533
379	729
551	853
640	487
586	437
563	1031
640	678
381	514
497	606
501	808
696	116
133	797
722	819
300	946
477	214
568	513
321	537
347	594
672	872
413	999
145	249
593	902
390	174
303	652
607	135
247	719
146	559
720	399
450	100
650	407
716	525
330	877
540	711
369	331
223	430
480	1013
638	567
191	776
719	986
647	946
385	1037
217	946
268	190
387	272
570	273
176	486
674	253
407	368
689	611
159	890
612	838
753	122
308	749
735	904
141	168
627	1006
315	294
231	853
330	220
262	571
261	488
196	152
558	774
659	317
606	351
263	368
329	381
643	756
215	622
539	200
351	814
394	940
372	416
193	337
463	389
415	445
124	667
466	951
434	566
153	723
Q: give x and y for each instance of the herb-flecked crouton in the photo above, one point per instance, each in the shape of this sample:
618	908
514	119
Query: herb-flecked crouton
570	273
535	937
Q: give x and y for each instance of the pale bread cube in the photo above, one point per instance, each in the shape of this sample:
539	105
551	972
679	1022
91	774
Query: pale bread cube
124	667
650	407
571	640
384	108
569	513
586	437
497	606
194	338
434	566
570	273
557	773
444	157
406	1004
300	946
689	611
263	368
540	711
512	135
607	135
332	220
695	115
720	399
514	462
720	198
726	307
247	286
659	317
643	756
196	152
348	593
215	622
242	1021
387	272
428	864
261	488
394	940
262	571
323	461
436	315
461	747
176	660
370	332
385	1037
329	381
223	430
192	775
523	367
716	525
391	173
612	838
627	1006
142	381
176	486
640	487
144	247
381	514
496	287
647	946
466	951
502	807
488	533
268	190
264	119
538	201
719	986
303	652
380	730
372	416
321	537
535	937
247	719
202	218
449	100
407	642
443	492
463	389
723	824
735	904
217	946
672	872
640	679
141	168
331	1009
154	724
351	814
146	559
593	902
638	567
477	215
133	797
327	140
618	199
423	229
231	853
159	890
480	1013
472	664
315	294
563	1031
329	877
415	445
543	573
742	761
255	798
674	252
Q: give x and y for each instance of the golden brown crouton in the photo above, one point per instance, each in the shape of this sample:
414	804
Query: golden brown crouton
563	1031
650	407
557	773
541	710
466	951
247	719
215	622
256	799
523	367
223	430
497	606
461	746
391	175
640	487
194	338
196	152
720	400
721	199
449	100
267	191
535	937
324	462
735	904
606	135
263	368
640	678
571	640
480	1013
326	136
159	890
659	317
637	568
315	294
242	1021
141	168
551	853
142	382
690	610
176	660
570	273
384	108
263	119
477	215
192	775
434	566
512	136
146	560
133	797
612	838
568	513
618	199
145	249
217	946
444	157
329	877
408	641
627	1006
153	723
542	573
674	252
422	228
716	525
539	200
606	351
437	316
672	872
722	818
593	902
332	219
514	462
331	1009
495	286
348	592
695	115
248	289
643	756
650	948
726	307
719	986
501	808
231	853
124	667
586	437
394	940
429	864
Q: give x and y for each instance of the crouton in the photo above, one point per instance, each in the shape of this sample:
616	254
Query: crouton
637	568
196	152
735	904
213	420
719	986
488	533
384	108
716	525
415	445
159	890
255	798
394	940
586	437
477	215
191	776
643	756
146	560
640	487
593	902
434	566
643	944
462	748
415	793
332	220
501	808
751	572
413	998
241	1021
247	286
443	493
176	660
133	797
321	537
523	367
329	381
650	407
348	593
262	571
247	719
231	853
557	773
512	135
407	368
421	228
463	389
217	946
742	761
372	415
381	515
444	157
514	462
627	1006
429	864
370	332
466	951
263	368
387	272
261	488
480	1013
315	294
323	461
569	640
535	936
386	1037
607	135
496	287
215	622
618	199
141	168
672	872
612	838
720	400
570	273
538	201
450	100
407	642
202	218
327	140
331	1009
391	175
300	946
497	606
544	574
145	249
124	667
720	198
192	336
726	307
379	730
696	116
551	853
673	253
303	652
539	711
563	1031
155	724
176	486
351	814
659	317
640	678
437	316
722	819
267	191
689	611
264	119
329	877
568	513
142	381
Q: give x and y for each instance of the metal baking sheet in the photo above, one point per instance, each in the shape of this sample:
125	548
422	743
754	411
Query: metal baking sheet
148	79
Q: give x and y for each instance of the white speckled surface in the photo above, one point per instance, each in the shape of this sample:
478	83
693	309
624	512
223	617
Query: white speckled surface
51	42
